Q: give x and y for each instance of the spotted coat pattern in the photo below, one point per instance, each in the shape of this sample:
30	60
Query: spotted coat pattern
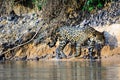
76	36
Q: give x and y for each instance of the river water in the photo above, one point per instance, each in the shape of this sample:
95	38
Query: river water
59	70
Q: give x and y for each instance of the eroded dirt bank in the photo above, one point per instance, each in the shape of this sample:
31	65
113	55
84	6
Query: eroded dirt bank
43	51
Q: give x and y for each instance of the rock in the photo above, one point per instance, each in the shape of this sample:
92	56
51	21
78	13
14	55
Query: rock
9	31
104	17
32	23
36	22
26	17
2	18
1	26
2	57
12	16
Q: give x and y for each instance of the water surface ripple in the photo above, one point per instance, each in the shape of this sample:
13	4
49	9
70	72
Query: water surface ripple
59	70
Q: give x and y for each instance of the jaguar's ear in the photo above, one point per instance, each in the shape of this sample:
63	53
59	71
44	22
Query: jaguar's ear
103	32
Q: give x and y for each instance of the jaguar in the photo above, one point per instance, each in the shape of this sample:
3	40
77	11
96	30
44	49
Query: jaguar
76	36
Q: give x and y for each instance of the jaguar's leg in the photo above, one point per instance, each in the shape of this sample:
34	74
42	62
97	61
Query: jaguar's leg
58	56
90	51
98	47
91	46
59	50
78	50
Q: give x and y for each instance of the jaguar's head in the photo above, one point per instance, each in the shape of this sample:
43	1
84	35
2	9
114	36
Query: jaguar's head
100	38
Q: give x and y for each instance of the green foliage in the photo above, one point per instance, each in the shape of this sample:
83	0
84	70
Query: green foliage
39	3
93	4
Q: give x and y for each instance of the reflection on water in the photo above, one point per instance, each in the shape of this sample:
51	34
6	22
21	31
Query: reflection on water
58	70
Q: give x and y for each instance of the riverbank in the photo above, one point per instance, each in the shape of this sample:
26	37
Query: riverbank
14	33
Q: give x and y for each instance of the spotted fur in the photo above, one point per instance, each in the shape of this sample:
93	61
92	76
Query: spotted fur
76	36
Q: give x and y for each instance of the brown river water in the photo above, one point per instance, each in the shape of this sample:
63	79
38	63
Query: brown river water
59	70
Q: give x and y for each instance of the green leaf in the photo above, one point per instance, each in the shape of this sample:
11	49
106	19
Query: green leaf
88	2
90	8
99	5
